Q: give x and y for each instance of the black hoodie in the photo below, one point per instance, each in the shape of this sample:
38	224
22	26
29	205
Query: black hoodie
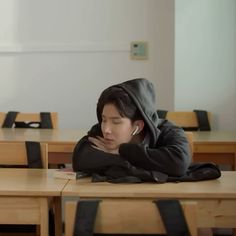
165	148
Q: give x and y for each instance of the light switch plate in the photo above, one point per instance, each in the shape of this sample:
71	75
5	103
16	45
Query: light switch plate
139	50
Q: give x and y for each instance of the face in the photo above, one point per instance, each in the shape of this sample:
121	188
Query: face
115	128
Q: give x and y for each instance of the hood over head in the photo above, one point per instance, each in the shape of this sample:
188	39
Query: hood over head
142	93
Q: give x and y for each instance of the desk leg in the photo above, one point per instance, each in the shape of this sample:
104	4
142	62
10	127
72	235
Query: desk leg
44	216
234	166
58	216
234	232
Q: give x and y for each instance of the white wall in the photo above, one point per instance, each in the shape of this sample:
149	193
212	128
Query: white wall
59	55
205	59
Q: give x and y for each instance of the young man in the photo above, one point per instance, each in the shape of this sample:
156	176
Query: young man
130	143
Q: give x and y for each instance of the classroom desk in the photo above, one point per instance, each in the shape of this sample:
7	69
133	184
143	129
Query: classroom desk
215	146
26	192
60	142
215	199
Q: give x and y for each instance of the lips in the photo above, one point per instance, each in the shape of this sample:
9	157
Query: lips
109	140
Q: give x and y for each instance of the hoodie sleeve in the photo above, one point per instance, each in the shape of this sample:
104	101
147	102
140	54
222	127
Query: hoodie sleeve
171	155
88	159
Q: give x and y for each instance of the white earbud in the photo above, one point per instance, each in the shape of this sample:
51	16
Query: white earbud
136	131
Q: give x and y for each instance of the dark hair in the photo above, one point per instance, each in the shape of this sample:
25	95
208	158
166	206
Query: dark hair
121	100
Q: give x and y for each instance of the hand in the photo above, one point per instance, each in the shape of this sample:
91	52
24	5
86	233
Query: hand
100	144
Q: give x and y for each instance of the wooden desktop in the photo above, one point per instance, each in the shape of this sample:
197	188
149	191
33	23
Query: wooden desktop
215	146
25	195
215	199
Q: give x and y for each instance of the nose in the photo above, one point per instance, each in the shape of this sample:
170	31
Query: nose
106	128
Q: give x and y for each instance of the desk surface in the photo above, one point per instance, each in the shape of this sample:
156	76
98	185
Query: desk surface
214	137
29	182
41	135
73	135
211	146
224	187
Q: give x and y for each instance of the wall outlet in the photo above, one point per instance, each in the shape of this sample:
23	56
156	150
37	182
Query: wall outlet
139	50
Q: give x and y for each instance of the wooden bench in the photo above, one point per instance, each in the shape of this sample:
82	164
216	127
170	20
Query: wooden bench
128	217
31	117
186	119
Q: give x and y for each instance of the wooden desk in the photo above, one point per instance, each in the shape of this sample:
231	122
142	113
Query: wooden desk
215	199
60	142
215	146
24	197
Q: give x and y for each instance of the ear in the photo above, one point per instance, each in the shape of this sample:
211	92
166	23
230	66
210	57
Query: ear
140	124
